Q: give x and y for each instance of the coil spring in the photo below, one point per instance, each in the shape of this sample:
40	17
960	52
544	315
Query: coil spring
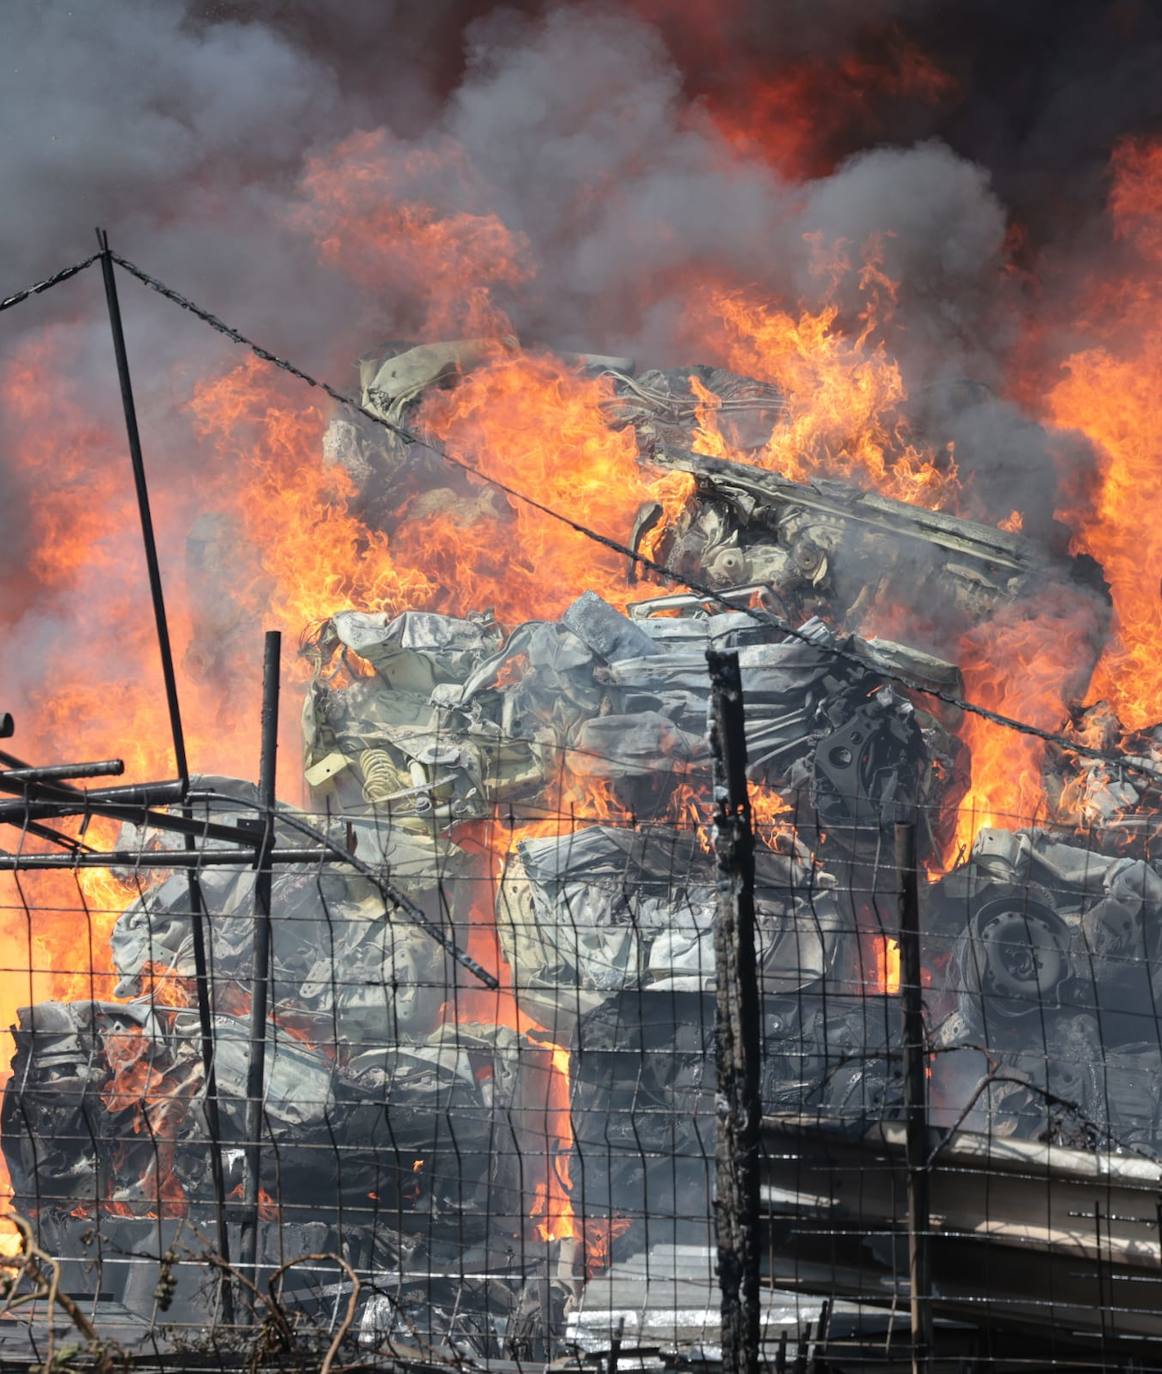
380	778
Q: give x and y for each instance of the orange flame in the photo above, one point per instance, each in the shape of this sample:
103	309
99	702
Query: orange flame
599	1233
159	1103
312	553
844	399
366	207
551	1113
531	422
268	1208
166	987
1110	393
770	814
551	1199
527	421
886	971
1023	664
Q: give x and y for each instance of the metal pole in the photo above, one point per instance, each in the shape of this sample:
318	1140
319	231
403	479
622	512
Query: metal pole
133	794
165	650
152	565
134	811
133	859
737	1026
260	975
915	1099
13	779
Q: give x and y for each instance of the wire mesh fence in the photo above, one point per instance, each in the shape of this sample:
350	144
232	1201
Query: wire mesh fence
428	1069
456	1172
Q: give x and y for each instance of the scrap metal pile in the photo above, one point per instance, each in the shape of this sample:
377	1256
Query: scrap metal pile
414	1122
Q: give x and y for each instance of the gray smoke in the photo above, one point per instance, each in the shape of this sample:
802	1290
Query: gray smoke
187	130
577	126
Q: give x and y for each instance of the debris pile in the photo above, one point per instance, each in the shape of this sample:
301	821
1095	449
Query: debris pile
540	793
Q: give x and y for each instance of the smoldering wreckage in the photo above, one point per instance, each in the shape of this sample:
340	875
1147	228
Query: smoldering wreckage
496	1175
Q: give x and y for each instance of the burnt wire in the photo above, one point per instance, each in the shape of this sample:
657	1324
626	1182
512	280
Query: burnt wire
7	302
624	550
390	893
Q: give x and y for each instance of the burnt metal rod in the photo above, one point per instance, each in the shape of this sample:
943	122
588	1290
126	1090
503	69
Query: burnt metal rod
16	813
132	794
16	779
11	761
46	832
148	539
915	1099
615	1347
177	733
174	858
202	992
736	1025
390	894
260	975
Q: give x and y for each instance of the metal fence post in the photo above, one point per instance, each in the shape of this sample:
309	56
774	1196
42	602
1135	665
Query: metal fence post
169	678
915	1098
260	976
737	1023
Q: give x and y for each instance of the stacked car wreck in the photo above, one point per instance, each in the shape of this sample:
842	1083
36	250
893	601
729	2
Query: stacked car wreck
540	793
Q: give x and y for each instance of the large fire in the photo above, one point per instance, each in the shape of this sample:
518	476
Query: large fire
845	395
1028	668
1023	664
1109	393
300	547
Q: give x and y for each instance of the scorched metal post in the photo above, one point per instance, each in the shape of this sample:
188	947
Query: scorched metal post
915	1097
148	539
165	651
260	976
736	1034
